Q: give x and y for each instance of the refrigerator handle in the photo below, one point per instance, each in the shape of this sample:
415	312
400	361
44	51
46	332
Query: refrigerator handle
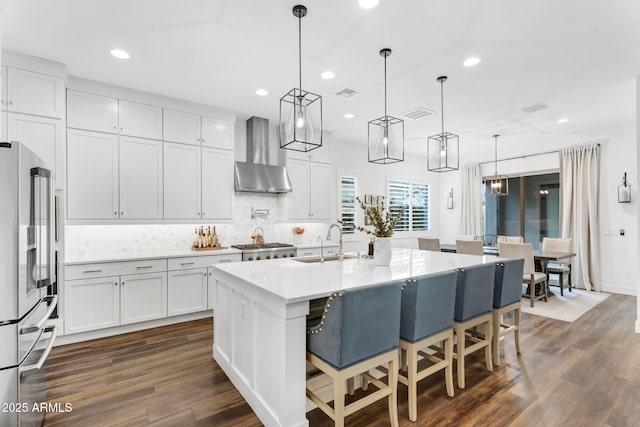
36	366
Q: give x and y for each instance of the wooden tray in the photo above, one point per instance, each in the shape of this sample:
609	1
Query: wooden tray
216	248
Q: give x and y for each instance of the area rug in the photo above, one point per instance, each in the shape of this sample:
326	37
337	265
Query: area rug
568	307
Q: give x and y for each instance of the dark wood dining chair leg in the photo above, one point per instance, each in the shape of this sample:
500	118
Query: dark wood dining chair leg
561	282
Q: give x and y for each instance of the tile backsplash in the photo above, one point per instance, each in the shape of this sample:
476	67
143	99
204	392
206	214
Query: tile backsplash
87	240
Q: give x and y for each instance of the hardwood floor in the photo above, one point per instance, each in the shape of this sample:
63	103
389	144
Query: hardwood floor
585	373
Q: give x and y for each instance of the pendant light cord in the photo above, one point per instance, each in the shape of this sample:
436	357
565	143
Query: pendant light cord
385	88
442	104
495	140
300	51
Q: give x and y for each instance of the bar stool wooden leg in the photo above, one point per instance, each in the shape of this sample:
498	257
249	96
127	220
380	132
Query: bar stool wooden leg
516	333
496	338
448	371
350	386
338	401
488	359
460	355
412	374
393	397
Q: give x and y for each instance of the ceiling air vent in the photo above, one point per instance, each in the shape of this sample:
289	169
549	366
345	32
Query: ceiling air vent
417	113
535	107
347	93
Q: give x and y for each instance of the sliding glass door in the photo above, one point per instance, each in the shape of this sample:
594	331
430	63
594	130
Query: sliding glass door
531	209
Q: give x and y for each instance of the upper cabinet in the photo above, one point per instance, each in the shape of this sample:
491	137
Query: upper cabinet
140	173
3	95
188	128
139	120
181	127
321	154
33	93
92	112
217	133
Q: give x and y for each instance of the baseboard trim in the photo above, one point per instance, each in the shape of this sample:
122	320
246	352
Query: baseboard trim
134	327
623	290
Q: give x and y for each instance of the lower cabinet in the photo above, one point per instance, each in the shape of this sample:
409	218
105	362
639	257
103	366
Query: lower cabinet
187	291
211	291
92	304
143	297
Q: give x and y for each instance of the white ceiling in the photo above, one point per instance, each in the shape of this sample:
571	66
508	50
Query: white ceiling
580	57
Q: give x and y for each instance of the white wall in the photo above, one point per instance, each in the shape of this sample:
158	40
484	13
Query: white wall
618	155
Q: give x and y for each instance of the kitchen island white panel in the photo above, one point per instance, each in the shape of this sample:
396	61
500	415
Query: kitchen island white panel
260	328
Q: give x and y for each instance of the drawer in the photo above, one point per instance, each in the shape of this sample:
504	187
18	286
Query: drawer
201	261
89	271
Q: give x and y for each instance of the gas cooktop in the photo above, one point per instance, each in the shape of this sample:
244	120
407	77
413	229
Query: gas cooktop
262	246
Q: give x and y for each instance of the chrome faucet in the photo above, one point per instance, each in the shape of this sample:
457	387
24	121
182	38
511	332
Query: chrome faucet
340	253
321	249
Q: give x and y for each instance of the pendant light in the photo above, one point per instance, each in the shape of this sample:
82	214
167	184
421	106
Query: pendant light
386	134
499	184
300	110
443	148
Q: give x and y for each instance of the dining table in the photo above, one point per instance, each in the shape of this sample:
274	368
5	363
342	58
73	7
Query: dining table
539	256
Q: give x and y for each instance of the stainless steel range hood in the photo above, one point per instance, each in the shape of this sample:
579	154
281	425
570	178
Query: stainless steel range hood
256	175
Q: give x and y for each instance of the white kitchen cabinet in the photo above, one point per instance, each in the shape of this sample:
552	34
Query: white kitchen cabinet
43	136
4	132
217	183
187	291
182	178
34	93
91	304
310	199
211	289
92	112
140	178
92	175
140	120
3	88
217	133
143	297
181	127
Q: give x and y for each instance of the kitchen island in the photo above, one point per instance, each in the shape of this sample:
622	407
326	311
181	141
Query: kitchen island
260	319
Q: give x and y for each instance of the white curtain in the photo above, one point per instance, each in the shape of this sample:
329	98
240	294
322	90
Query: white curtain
579	177
471	218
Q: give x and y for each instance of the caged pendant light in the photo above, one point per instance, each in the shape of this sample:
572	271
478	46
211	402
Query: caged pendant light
442	149
386	134
499	184
300	110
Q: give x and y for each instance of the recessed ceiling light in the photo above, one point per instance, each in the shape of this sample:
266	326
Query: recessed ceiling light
563	120
262	92
349	116
119	53
470	62
328	75
368	4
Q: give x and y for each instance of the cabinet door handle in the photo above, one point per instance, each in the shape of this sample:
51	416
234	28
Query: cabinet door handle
121	213
209	273
92	271
225	260
115	283
115	213
10	102
122	283
143	266
187	263
120	129
204	213
115	128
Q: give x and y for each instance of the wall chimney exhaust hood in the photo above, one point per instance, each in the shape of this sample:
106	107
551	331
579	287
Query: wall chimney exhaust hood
256	175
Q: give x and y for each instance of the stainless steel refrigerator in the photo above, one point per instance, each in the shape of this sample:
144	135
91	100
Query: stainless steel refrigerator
27	275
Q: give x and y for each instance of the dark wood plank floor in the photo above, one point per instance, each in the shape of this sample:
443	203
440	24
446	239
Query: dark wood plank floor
585	373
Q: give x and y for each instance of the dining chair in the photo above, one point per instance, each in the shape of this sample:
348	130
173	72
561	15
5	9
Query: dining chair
426	319
474	305
470	247
530	276
429	244
507	293
560	268
358	332
510	239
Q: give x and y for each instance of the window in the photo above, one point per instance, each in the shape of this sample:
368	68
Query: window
348	204
414	199
531	209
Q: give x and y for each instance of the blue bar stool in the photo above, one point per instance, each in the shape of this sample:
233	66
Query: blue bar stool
426	319
507	293
474	305
358	332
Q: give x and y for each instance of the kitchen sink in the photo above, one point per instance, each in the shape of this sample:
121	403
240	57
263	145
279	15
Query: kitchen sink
313	259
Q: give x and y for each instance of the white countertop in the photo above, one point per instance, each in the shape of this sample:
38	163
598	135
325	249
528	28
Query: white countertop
123	256
295	281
